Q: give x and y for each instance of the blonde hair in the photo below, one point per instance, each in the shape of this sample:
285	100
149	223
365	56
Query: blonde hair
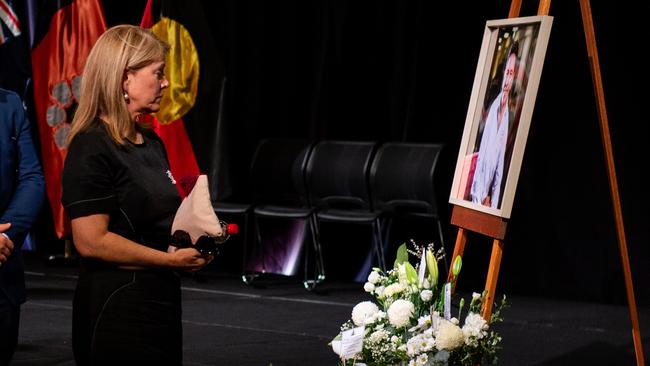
120	49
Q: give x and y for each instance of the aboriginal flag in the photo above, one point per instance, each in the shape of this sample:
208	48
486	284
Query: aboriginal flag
193	99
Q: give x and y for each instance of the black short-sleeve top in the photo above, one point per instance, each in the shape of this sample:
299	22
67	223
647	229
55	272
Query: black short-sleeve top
132	184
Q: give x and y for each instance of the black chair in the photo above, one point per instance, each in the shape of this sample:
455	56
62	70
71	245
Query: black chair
236	212
278	191
403	187
337	181
232	211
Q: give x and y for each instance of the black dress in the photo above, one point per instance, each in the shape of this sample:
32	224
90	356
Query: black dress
123	316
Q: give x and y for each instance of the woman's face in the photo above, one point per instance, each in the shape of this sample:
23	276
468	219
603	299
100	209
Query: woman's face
145	87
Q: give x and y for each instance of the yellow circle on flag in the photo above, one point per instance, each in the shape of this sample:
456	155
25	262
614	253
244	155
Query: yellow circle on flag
181	69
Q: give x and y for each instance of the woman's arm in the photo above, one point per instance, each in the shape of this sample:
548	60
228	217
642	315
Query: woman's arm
93	240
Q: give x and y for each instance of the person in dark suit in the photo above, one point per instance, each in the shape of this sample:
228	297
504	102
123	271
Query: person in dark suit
22	191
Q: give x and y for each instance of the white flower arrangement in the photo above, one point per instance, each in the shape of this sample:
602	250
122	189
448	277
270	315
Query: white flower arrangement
449	335
400	313
406	324
363	313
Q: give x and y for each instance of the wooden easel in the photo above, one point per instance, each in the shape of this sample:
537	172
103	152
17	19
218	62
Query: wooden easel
495	227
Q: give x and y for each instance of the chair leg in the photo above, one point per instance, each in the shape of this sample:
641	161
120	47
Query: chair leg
379	247
388	225
245	243
319	251
249	277
376	248
319	268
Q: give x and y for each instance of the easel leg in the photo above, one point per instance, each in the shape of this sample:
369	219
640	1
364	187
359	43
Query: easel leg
594	63
459	248
492	277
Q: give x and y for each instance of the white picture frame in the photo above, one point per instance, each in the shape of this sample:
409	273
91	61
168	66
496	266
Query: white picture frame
474	176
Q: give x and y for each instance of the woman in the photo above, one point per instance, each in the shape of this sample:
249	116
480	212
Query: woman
121	198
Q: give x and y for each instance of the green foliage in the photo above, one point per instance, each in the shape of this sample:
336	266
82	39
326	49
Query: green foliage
432	267
402	255
458	264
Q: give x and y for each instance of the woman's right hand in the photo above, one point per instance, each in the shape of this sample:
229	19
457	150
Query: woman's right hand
189	259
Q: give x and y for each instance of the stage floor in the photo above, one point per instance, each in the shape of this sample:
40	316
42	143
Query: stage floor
279	323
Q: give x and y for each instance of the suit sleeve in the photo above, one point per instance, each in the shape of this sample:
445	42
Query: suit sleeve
27	199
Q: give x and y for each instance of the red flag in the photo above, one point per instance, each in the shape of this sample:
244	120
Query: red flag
57	65
182	69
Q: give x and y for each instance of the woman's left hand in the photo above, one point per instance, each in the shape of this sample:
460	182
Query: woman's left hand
189	259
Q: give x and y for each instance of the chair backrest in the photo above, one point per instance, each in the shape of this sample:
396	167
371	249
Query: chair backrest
402	177
277	174
337	174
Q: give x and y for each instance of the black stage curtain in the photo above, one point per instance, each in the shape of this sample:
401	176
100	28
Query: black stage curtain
403	70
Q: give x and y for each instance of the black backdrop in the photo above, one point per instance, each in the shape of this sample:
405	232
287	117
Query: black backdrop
403	70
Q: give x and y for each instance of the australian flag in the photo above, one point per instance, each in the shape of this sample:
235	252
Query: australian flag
15	65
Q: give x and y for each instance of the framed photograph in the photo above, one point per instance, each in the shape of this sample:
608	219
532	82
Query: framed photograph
499	114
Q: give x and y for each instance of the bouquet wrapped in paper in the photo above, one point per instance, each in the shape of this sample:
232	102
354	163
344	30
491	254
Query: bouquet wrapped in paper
196	223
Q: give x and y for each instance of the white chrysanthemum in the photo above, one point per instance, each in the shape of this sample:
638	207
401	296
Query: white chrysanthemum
413	346
393	289
420	343
422	359
426	295
369	287
400	312
449	335
362	311
423	323
475	326
374	277
431	343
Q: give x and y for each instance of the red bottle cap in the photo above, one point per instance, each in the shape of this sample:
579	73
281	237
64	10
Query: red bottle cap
233	229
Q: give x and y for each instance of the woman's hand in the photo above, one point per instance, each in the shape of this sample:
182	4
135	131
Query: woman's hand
189	259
